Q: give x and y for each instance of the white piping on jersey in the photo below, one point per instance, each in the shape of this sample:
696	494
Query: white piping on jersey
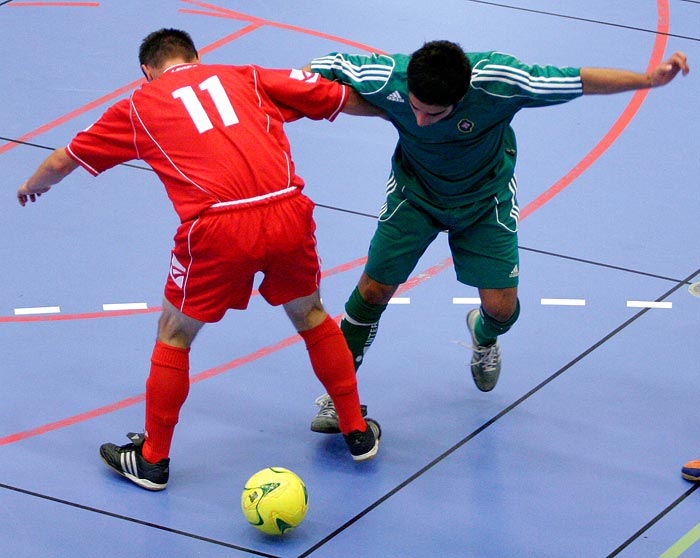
187	178
255	79
90	169
255	199
133	129
286	157
340	105
366	72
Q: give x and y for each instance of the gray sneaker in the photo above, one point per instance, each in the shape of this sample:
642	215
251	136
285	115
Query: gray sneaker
486	359
326	420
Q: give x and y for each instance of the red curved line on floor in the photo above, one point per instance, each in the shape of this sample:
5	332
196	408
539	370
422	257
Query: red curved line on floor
111	96
610	137
618	127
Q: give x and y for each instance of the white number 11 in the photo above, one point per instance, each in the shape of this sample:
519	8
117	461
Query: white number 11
195	109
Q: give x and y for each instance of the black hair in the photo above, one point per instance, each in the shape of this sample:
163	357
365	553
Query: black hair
164	44
439	73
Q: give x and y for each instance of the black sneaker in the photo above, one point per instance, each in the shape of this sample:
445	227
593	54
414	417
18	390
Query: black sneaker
128	462
364	445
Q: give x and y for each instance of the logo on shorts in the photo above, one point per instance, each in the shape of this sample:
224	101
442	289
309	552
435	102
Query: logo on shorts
465	126
515	272
304	76
177	271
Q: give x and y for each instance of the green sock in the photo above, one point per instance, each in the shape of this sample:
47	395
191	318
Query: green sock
487	329
360	324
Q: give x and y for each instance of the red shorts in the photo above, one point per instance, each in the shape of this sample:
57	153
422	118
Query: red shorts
216	257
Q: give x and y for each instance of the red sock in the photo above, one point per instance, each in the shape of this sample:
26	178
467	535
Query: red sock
166	391
332	362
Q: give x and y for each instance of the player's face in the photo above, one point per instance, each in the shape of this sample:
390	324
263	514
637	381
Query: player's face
427	114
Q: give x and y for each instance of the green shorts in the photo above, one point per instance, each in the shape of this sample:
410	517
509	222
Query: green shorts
483	238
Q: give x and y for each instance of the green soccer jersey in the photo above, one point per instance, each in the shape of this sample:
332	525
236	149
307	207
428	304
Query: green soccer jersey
469	155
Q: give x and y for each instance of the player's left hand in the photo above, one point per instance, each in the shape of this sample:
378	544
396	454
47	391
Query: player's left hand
24	194
665	72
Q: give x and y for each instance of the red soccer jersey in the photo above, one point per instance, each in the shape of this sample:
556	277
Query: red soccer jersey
212	133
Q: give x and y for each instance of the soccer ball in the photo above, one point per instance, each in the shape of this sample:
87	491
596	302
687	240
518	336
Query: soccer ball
274	500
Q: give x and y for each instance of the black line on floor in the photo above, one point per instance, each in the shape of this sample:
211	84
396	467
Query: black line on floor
29	144
599	264
375	217
332	208
494	419
536	251
5	2
134	520
656	519
575	18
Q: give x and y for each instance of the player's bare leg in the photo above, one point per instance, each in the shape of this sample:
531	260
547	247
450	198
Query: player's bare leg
145	461
332	364
359	326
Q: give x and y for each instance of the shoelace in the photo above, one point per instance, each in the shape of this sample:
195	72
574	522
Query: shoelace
327	406
487	356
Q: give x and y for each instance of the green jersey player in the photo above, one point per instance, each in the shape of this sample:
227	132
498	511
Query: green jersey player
453	170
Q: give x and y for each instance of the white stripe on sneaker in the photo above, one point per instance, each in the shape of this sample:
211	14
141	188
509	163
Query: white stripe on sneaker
128	463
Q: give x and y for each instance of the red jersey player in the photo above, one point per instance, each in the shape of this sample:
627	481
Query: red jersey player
213	135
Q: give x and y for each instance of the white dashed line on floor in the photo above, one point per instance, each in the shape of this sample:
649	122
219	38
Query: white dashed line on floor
125	306
38	310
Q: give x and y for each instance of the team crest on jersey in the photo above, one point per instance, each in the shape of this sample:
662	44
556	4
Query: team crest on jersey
304	76
465	126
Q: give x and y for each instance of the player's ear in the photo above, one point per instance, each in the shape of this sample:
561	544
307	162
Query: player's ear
146	72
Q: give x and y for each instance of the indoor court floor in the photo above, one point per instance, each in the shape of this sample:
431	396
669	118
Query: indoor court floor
576	453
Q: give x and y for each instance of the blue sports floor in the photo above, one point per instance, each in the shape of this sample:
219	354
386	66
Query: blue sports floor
576	453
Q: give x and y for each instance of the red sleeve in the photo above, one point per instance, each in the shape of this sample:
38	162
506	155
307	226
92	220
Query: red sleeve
298	94
106	143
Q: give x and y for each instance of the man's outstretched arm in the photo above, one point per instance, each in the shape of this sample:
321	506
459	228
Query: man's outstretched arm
55	168
606	80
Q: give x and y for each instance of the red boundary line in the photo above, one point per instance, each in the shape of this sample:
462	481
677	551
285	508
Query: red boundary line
117	313
586	162
255	23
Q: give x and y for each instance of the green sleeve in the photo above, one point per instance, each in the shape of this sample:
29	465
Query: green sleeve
502	75
367	74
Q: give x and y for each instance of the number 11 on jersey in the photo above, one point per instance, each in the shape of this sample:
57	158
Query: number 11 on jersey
195	109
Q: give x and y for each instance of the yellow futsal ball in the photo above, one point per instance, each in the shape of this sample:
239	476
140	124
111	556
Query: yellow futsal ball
274	500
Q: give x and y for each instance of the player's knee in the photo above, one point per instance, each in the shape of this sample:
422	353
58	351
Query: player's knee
308	318
176	329
500	304
500	313
373	292
503	321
